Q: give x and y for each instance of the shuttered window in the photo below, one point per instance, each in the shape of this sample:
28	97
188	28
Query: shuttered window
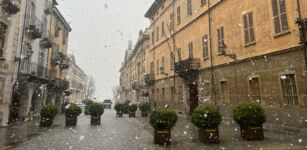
205	46
3	28
189	7
249	35
171	22
178	15
191	50
157	30
220	36
280	16
162	29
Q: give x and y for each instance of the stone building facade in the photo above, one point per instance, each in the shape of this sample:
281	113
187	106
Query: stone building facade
78	82
11	18
225	52
132	83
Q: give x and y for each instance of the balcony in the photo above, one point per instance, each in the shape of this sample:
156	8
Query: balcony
58	85
149	79
34	27
32	72
187	68
11	6
136	85
58	58
64	66
47	41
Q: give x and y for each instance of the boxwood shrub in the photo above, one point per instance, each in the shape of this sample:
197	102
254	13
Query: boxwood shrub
119	107
163	118
49	111
132	107
206	116
144	106
73	110
96	109
249	114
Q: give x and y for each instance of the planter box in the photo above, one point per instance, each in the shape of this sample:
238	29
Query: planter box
71	121
145	114
119	114
131	114
95	120
209	135
162	137
252	133
46	122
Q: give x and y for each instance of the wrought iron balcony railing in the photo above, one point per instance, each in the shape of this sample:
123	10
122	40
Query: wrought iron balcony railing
136	85
34	27
149	79
58	85
185	68
47	40
34	69
11	6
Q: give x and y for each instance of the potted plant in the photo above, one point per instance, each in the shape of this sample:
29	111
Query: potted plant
126	106
144	108
71	114
250	117
48	112
207	119
132	109
162	120
96	110
119	107
87	105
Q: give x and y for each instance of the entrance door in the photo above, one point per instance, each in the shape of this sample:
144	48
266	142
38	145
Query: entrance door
193	90
225	92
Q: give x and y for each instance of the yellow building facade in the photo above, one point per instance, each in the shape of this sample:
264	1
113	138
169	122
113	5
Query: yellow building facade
226	52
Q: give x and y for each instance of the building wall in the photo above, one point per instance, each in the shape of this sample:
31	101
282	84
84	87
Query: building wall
269	58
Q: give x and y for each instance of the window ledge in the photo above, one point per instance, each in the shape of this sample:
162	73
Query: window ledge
221	53
2	59
250	44
205	58
276	35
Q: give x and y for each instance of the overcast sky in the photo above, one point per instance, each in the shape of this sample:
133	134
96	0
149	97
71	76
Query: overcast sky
100	33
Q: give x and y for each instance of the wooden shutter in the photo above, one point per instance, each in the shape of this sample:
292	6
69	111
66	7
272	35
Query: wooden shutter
276	16
283	15
251	27
3	28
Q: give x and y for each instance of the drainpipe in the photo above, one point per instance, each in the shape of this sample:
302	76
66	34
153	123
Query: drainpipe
302	31
211	55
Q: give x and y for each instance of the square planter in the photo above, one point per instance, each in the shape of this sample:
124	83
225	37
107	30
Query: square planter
252	133
119	114
162	136
131	114
144	114
95	120
209	135
71	121
46	122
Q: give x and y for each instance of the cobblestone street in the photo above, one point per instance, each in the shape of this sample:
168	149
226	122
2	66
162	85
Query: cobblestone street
132	133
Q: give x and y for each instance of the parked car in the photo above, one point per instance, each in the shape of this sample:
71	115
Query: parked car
107	103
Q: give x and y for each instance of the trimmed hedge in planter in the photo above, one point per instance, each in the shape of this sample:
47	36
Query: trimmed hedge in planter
250	117
132	109
96	110
48	112
207	119
126	106
119	107
71	114
144	108
162	120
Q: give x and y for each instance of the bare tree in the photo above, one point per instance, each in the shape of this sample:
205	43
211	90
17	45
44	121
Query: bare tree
90	91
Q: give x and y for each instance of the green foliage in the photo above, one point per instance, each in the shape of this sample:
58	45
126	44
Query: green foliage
49	111
73	111
96	109
249	114
163	118
126	106
87	105
119	107
144	106
132	107
205	116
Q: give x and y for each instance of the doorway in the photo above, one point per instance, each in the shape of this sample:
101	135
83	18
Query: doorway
193	91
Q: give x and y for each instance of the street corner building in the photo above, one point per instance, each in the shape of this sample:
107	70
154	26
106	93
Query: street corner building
33	58
223	52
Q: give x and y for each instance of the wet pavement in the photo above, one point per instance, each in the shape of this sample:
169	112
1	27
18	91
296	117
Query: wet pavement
132	134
